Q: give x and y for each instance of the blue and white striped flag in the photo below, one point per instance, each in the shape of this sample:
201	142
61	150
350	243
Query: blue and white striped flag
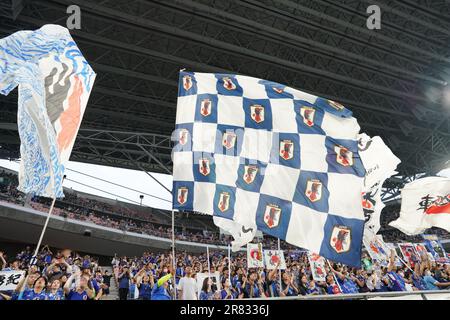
270	157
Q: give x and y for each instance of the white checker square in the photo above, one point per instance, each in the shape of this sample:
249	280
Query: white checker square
257	144
183	170
280	181
305	228
204	137
340	128
204	197
251	88
206	83
300	95
283	116
313	153
245	207
230	111
226	169
345	195
186	109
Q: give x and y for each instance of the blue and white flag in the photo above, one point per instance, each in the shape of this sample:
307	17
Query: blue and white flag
54	82
270	157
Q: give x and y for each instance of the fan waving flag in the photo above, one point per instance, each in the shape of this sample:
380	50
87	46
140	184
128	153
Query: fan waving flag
272	158
54	83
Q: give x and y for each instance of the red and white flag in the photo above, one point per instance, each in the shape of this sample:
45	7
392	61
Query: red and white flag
425	204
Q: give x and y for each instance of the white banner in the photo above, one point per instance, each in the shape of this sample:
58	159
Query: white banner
425	204
10	279
317	264
255	255
273	257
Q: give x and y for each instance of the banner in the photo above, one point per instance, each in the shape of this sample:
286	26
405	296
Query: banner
215	277
10	279
272	258
380	163
425	204
376	248
270	157
317	264
409	253
435	248
54	82
254	255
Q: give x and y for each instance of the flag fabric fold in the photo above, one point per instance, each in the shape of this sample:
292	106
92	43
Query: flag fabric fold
380	164
425	204
54	82
270	157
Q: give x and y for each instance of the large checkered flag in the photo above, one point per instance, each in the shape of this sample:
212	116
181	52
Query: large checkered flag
270	157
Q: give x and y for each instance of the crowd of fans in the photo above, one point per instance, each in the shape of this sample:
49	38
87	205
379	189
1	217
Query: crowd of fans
67	275
60	275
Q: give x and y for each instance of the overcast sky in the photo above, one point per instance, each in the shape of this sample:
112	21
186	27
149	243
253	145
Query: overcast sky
129	178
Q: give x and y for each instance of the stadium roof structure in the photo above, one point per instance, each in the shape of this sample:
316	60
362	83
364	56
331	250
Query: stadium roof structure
395	79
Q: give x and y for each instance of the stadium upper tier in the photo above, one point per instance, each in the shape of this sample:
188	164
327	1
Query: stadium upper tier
156	222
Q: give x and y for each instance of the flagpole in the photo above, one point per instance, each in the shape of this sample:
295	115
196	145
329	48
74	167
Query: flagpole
173	257
279	270
43	230
207	257
229	263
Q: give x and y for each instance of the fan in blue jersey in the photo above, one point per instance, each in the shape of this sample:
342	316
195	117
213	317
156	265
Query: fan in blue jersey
160	290
37	292
396	281
81	290
55	292
345	282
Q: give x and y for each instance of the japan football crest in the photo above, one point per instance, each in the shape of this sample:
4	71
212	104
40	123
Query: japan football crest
313	190
229	140
182	195
250	173
336	105
224	201
343	156
205	107
183	136
278	90
272	215
286	149
228	83
187	82
204	167
257	113
341	239
308	115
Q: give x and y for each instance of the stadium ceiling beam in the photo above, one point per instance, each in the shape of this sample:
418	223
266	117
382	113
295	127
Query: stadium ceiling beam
361	29
292	40
123	18
108	43
426	9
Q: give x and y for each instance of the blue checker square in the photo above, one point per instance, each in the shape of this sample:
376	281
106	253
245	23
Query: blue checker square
204	167
309	118
250	174
342	157
182	137
286	149
275	90
224	200
333	107
312	190
258	113
187	84
343	240
183	195
228	85
206	108
229	140
273	216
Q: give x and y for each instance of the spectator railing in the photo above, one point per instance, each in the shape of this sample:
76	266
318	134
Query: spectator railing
402	295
